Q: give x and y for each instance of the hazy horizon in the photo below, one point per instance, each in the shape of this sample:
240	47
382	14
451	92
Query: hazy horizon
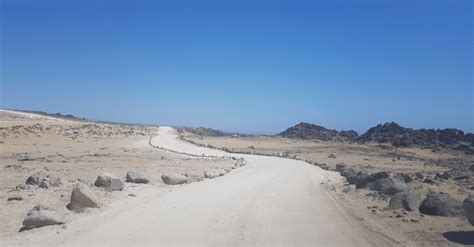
240	66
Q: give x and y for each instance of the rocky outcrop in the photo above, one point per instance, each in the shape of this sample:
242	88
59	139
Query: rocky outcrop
109	182
174	179
406	200
340	167
348	134
312	131
42	180
82	197
468	206
388	185
364	177
40	216
441	204
405	137
136	177
201	131
379	181
444	175
389	132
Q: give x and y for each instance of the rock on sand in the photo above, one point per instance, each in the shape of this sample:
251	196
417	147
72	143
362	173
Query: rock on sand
136	177
42	180
441	204
174	179
407	200
40	216
82	197
109	182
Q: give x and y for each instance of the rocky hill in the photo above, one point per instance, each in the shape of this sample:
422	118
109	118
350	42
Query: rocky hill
201	131
312	131
388	133
405	137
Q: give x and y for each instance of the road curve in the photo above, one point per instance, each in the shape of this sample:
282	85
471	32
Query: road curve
270	202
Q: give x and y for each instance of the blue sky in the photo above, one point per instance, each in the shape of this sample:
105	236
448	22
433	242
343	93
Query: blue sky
246	66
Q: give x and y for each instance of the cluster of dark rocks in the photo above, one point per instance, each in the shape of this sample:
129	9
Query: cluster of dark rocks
201	131
395	189
406	137
312	131
42	180
391	133
382	182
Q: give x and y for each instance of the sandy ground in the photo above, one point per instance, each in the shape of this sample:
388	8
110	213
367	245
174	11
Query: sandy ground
271	201
421	230
79	150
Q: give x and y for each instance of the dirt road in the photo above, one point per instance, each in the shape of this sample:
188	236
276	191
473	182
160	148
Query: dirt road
271	201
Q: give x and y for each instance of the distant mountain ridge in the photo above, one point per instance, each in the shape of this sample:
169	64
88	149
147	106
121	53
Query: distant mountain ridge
201	131
405	137
389	132
313	131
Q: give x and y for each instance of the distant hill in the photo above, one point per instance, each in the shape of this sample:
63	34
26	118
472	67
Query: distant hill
391	133
405	137
55	115
204	131
312	131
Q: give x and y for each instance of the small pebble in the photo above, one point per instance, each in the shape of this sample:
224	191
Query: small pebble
15	198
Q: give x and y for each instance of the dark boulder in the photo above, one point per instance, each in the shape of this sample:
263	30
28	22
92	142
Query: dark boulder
430	181
340	167
444	175
441	204
82	197
42	180
468	206
379	175
136	177
407	200
350	172
40	216
404	177
419	175
174	179
360	179
109	182
324	166
388	185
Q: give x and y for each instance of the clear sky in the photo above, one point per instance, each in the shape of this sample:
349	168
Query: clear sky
246	66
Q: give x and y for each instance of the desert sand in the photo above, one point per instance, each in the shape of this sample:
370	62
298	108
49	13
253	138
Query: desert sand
408	228
269	201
